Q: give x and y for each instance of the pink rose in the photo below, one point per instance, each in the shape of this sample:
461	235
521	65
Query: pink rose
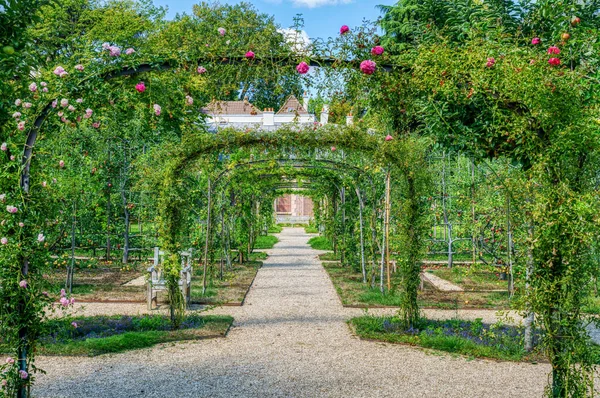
74	324
43	84
21	224
389	138
554	61
302	68
21	126
189	100
23	374
72	301
105	46
79	100
64	102
61	164
45	89
157	109
64	301
222	31
368	67
60	113
63	293
54	103
333	149
4	241
535	41
18	102
79	67
129	51
33	87
10	360
41	238
140	87
201	69
27	105
490	62
377	50
88	113
344	29
554	50
71	108
59	71
96	125
12	157
16	115
114	51
11	209
250	55
23	284
4	147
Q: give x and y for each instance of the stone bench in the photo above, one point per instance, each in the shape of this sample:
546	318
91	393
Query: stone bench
157	282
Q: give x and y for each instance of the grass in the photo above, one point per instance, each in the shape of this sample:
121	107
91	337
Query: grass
592	305
97	284
320	243
353	292
103	335
231	289
331	256
275	229
311	229
265	242
471	338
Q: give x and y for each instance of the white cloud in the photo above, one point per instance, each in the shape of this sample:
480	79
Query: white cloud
319	3
297	39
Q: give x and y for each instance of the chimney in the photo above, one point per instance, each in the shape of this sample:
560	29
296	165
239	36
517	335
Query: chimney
325	115
349	120
305	102
269	117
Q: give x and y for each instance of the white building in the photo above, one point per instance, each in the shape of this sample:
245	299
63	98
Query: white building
243	114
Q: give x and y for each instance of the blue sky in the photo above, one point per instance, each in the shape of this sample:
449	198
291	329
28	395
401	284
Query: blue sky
322	18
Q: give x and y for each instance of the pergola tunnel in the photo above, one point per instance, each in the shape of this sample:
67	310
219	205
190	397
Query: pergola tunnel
450	152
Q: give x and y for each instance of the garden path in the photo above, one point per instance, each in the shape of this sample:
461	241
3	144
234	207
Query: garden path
290	339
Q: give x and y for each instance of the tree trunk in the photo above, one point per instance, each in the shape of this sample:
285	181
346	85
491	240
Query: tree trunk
387	227
362	238
205	265
71	268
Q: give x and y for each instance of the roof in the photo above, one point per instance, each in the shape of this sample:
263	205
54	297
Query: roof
231	108
292	105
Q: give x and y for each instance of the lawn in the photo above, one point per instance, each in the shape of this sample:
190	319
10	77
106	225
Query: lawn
265	242
232	288
471	338
320	243
98	284
91	336
353	292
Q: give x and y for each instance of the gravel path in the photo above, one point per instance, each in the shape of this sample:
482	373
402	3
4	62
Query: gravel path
290	339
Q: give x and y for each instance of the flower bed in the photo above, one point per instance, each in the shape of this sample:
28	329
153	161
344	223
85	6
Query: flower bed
472	338
98	335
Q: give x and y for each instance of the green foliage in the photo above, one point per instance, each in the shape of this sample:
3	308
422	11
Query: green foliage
265	242
320	243
146	331
444	336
